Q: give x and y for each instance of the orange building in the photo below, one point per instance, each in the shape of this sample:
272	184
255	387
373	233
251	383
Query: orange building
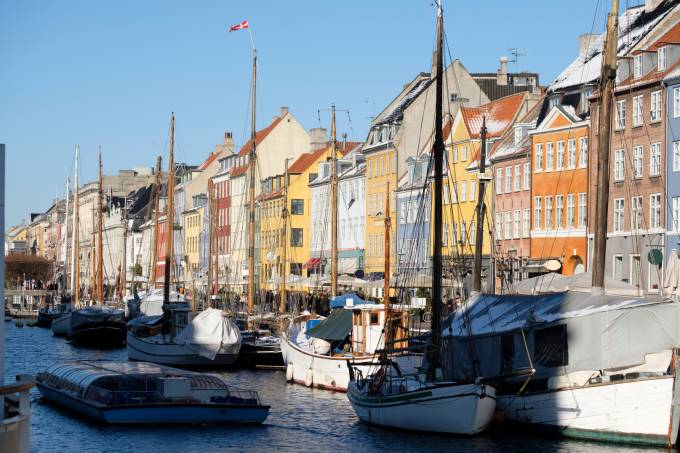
559	189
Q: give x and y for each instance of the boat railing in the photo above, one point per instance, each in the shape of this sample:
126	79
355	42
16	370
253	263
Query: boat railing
141	397
15	412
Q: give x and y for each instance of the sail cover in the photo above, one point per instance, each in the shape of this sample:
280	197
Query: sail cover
210	333
335	327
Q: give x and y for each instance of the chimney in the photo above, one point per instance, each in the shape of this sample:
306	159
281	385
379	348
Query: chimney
228	141
502	74
284	111
651	5
317	138
585	41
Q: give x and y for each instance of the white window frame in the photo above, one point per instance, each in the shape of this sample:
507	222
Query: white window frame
631	259
571	210
619	164
676	102
517	223
636	219
526	227
620	121
559	212
637	66
538	157
508	225
527	176
499	181
655	106
619	214
559	161
617	257
655	159
518	178
676	156
638	102
675	212
582	209
548	213
571	153
655	210
661	58
583	152
499	226
549	156
638	161
538	212
508	179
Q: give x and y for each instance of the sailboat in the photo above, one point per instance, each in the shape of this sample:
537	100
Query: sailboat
424	401
61	325
176	336
98	325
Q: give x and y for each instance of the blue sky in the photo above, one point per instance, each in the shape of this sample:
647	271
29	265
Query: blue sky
109	73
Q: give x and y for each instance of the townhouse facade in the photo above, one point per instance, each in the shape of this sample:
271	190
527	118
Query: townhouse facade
672	153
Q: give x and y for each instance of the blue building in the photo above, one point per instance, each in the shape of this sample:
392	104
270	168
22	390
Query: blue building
672	83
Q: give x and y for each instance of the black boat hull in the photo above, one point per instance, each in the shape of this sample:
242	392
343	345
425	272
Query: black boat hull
107	334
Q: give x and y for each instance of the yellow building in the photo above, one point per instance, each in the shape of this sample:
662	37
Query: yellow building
271	203
193	226
462	178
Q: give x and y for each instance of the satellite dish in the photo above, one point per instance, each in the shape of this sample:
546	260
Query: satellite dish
552	265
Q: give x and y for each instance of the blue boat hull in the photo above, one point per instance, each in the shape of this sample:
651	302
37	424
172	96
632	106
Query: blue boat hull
179	413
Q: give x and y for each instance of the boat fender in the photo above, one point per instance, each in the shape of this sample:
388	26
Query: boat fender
309	380
289	372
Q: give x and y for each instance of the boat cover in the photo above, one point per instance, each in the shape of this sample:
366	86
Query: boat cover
346	299
601	332
335	327
209	332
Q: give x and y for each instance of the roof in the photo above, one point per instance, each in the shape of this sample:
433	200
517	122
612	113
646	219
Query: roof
245	149
634	24
494	91
270	195
306	160
506	146
499	115
211	158
395	110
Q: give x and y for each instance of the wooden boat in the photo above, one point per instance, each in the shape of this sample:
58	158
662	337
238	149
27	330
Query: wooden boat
61	326
97	326
134	393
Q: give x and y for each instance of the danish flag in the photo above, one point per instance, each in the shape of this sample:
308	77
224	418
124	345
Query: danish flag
240	26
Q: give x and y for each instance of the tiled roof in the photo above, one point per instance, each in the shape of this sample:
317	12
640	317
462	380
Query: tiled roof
211	158
506	146
499	115
238	171
245	149
303	162
269	195
672	36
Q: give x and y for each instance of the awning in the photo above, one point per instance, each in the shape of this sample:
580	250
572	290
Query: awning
346	299
312	263
335	327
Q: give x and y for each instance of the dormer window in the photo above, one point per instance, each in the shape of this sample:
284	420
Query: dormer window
637	66
661	59
518	134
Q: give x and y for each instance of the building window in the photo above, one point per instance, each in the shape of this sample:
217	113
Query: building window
538	213
637	111
548	213
617	267
661	59
676	214
654	277
637	161
454	153
655	159
655	210
527	223
463	153
473	189
637	66
538	157
636	213
560	155
655	110
508	180
473	232
445	235
499	225
620	114
549	156
635	268
518	176
508	225
570	210
297	207
619	207
517	223
571	153
527	176
463	191
559	211
296	237
518	134
499	181
582	210
583	155
619	156
454	233
676	156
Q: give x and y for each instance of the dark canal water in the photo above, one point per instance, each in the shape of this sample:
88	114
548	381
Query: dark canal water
301	419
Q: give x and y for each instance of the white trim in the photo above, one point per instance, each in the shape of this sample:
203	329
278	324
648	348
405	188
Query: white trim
560	233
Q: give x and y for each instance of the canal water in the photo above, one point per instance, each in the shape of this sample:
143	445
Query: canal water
301	419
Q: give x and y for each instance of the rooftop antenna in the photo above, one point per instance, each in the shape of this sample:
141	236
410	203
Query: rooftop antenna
516	53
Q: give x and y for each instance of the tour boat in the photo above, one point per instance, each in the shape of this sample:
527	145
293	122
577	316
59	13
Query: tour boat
136	393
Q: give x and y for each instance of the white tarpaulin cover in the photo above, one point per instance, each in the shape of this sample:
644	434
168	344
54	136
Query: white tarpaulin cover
210	333
671	284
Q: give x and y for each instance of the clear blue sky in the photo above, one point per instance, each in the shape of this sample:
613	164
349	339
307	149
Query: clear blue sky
110	72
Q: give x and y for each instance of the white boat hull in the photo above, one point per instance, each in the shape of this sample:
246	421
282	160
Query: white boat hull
329	373
61	326
630	411
168	353
464	409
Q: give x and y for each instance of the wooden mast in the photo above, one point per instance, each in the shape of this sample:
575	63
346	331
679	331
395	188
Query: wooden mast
607	79
386	287
438	157
64	289
154	232
169	218
252	156
209	291
334	207
75	252
93	264
100	245
481	209
284	236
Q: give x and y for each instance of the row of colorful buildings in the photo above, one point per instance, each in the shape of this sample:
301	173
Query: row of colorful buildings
541	161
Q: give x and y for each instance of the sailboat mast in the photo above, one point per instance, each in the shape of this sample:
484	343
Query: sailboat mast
100	245
607	79
438	154
169	220
284	235
93	264
65	242
154	233
481	210
75	245
211	232
386	287
334	206
252	156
